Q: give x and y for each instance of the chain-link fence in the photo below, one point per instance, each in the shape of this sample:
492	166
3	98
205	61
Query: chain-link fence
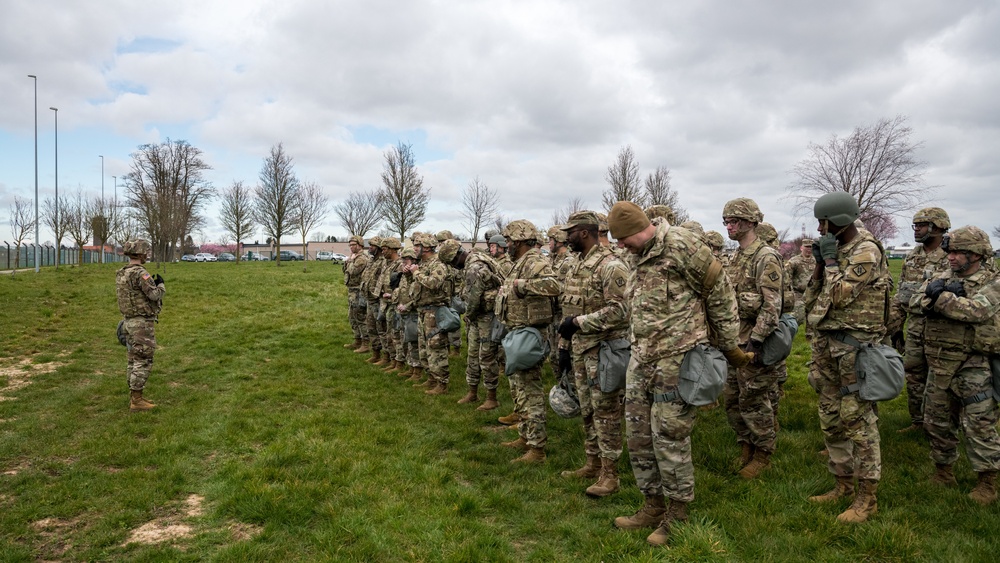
24	256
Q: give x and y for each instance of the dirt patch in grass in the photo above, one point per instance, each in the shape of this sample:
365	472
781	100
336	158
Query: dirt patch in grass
54	535
19	375
171	527
244	532
17	468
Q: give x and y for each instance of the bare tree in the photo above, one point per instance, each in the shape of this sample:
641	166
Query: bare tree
127	226
167	187
501	221
880	224
55	218
877	164
359	213
659	192
78	223
402	199
99	215
276	196
480	204
312	207
996	231
560	216
237	213
623	178
22	221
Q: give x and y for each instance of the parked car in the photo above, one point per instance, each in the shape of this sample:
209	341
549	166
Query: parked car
339	258
188	258
324	255
205	257
226	257
291	255
254	256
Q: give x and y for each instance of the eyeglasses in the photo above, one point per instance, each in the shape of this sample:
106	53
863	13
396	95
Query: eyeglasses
921	225
728	222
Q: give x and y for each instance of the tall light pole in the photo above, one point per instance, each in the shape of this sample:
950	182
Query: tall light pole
102	177
56	222
35	78
104	225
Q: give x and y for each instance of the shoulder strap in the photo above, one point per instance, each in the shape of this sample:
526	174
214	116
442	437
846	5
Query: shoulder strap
711	276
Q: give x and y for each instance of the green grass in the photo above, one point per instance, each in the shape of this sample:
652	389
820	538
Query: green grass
301	451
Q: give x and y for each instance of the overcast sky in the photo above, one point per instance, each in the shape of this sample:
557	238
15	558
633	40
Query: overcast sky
535	98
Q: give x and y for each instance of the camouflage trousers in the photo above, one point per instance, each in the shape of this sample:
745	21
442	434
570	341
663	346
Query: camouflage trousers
915	365
481	364
436	345
529	402
371	325
778	392
389	335
849	424
455	338
356	315
749	408
659	432
140	338
949	382
602	412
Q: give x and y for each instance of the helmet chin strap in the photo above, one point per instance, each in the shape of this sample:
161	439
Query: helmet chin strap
968	262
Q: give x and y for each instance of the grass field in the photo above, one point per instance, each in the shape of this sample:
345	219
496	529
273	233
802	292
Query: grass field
273	442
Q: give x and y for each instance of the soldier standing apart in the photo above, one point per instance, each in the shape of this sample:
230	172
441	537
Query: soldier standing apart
921	264
960	330
140	298
392	358
431	289
593	301
525	300
369	279
675	293
849	294
799	269
354	266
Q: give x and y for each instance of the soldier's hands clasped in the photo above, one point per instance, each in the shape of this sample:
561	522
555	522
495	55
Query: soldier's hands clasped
956	287
934	290
158	279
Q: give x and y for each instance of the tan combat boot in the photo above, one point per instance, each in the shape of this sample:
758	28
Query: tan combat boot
416	373
865	503
676	512
137	403
431	383
353	345
440	389
944	476
843	488
376	356
591	468
518	444
471	396
911	428
985	492
491	401
649	516
392	366
383	359
746	454
533	455
510	420
363	349
761	461
607	483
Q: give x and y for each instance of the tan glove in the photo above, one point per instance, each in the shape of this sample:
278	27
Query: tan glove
738	358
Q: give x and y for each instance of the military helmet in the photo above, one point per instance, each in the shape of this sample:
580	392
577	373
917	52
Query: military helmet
602	223
137	247
662	211
839	208
767	233
743	208
426	240
408	252
390	242
715	240
375	241
444	235
970	239
522	229
557	234
448	249
935	216
498	240
693	226
564	403
357	240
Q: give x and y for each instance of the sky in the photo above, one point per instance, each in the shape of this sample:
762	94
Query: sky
534	98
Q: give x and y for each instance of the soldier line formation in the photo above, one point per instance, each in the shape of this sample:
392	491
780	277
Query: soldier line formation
665	293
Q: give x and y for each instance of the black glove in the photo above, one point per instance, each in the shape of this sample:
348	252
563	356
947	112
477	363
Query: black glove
934	290
956	287
158	279
898	341
565	361
394	279
567	329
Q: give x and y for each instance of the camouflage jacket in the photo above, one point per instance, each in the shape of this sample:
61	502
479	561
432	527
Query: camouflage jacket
918	267
670	308
369	278
800	269
482	283
431	285
402	296
354	268
855	295
506	265
138	295
959	326
562	263
526	295
594	292
384	281
758	281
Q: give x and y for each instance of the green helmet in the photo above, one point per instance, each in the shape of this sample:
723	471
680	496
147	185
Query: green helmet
935	216
664	211
498	240
522	229
693	226
767	233
137	247
448	249
743	208
839	208
968	238
715	240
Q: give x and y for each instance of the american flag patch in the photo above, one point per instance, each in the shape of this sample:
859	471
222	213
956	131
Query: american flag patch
145	276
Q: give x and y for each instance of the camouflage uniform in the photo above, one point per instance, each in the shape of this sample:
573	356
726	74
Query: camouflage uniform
391	343
369	282
799	269
525	300
482	282
139	300
405	307
563	261
354	267
431	288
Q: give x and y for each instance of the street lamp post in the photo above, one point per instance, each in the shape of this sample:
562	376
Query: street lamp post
104	224
35	78
56	222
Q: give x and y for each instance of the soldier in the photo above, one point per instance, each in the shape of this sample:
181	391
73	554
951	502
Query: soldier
431	289
676	292
390	342
658	213
960	331
922	263
140	298
369	279
757	275
769	235
525	300
847	297
354	266
456	278
715	241
482	282
693	226
593	301
406	309
799	269
562	262
498	250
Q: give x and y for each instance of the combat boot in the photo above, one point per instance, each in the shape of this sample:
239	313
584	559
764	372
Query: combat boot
985	492
137	403
533	455
431	384
383	359
471	396
392	366
865	503
591	468
607	483
376	356
440	389
843	488
363	349
746	454
518	444
353	345
761	461
491	401
510	420
944	475
911	428
649	516
416	373
676	512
